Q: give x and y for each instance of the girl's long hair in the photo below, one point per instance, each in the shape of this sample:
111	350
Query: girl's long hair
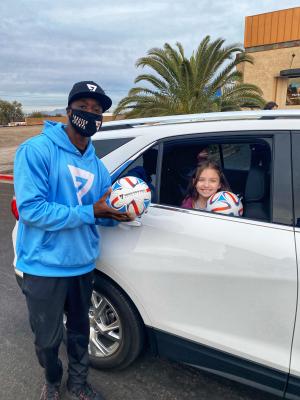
192	191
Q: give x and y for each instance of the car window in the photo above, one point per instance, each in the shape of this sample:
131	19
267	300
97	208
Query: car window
236	156
106	146
245	165
145	167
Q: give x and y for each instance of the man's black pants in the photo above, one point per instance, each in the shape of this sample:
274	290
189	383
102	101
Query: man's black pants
47	300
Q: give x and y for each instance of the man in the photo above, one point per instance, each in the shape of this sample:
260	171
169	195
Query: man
61	189
271	105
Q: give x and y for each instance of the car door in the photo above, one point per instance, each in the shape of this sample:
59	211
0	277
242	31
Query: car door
219	292
293	389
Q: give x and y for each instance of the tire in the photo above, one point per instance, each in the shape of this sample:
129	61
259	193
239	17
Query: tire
116	329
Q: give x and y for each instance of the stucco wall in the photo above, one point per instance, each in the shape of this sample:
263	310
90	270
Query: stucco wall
266	69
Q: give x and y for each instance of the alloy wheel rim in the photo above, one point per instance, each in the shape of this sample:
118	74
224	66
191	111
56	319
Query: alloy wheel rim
105	327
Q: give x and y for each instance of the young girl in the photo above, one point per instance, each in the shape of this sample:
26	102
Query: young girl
207	180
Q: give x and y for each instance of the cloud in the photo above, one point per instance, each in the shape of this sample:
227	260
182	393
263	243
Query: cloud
46	47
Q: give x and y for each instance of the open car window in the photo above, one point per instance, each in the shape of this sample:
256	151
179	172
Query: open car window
245	163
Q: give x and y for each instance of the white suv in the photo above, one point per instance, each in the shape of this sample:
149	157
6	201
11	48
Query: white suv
214	291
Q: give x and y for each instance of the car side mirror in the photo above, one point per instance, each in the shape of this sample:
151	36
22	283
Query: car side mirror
132	223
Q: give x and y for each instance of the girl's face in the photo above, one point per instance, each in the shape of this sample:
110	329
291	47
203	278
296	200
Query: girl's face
208	183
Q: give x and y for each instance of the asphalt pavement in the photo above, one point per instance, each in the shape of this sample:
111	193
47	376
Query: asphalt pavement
149	378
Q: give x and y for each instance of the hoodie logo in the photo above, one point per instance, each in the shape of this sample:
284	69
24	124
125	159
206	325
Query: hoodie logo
92	88
83	181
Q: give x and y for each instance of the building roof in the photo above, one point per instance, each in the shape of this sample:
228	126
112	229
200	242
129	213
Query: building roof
273	27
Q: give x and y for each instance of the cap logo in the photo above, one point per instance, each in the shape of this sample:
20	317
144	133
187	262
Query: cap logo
92	88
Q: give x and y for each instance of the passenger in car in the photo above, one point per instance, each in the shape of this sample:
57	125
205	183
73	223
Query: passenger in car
188	163
207	180
198	157
148	169
202	155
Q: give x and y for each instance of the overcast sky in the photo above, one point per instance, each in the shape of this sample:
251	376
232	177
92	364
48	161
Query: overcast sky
47	46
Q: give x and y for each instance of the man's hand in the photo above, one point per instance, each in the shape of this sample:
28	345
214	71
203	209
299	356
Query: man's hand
102	210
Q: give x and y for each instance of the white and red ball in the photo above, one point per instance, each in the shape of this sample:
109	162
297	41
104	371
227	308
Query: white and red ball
226	203
130	194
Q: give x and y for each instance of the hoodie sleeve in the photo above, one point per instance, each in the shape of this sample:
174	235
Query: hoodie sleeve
31	172
106	222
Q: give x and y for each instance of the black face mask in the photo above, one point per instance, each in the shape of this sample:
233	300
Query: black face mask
85	123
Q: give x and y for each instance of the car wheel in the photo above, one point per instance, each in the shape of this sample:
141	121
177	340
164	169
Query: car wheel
116	329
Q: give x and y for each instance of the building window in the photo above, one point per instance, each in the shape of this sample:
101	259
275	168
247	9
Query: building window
293	92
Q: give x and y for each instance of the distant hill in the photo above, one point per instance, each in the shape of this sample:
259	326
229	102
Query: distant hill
52	113
61	111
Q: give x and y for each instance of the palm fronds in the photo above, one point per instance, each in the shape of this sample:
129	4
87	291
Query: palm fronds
178	85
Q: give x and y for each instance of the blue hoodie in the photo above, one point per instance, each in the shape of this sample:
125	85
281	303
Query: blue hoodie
55	188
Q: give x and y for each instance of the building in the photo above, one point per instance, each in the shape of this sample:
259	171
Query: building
273	40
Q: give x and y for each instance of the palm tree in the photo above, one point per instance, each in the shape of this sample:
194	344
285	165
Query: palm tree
208	81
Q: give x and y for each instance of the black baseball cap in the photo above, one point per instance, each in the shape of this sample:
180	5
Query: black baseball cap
89	89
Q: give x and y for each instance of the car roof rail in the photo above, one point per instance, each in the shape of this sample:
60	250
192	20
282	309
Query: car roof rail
205	117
